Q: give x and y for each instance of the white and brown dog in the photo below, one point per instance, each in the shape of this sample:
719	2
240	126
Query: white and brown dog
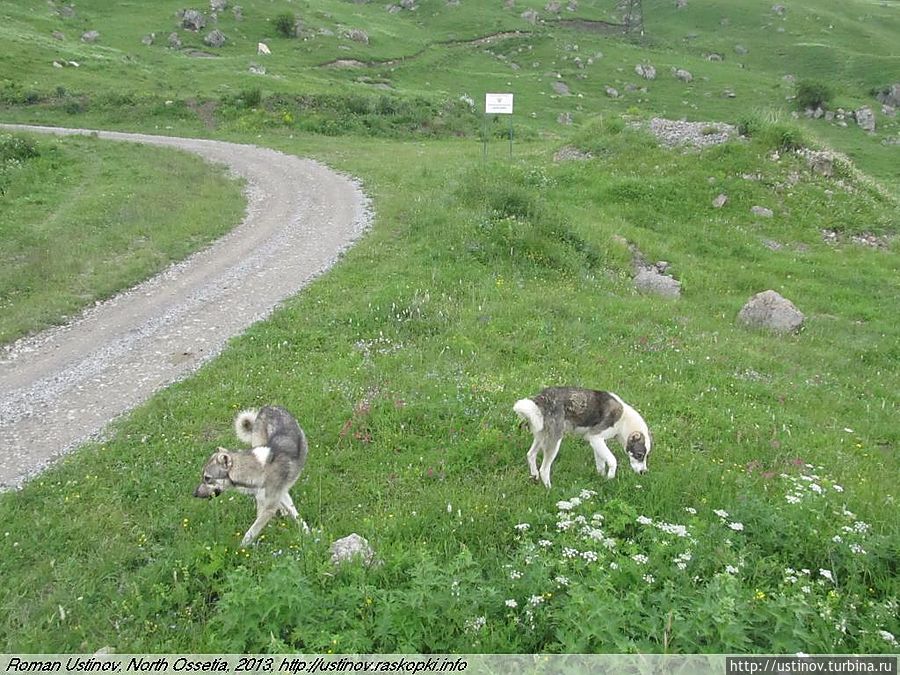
595	416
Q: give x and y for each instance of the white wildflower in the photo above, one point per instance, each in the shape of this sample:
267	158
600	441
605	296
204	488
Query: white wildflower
545	543
737	527
806	589
649	578
515	574
569	552
837	488
671	528
475	624
613	565
721	513
587	494
691	510
731	569
564	505
535	600
856	548
815	487
561	580
564	525
792	499
609	543
575	501
640	558
523	527
589	556
644	520
888	637
827	575
837	539
512	604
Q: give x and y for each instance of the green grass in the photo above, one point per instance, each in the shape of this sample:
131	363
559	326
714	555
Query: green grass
481	281
83	219
493	280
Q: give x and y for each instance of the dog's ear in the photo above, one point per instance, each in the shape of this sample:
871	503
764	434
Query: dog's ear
635	437
224	458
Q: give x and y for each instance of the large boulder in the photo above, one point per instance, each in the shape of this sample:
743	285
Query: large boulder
215	38
771	311
352	547
650	281
193	20
865	118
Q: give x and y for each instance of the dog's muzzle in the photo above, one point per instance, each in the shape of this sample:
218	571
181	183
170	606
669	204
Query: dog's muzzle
205	491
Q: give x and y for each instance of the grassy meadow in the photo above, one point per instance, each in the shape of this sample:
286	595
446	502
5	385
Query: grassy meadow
768	522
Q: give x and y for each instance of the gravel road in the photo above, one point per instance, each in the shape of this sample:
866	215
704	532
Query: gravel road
63	386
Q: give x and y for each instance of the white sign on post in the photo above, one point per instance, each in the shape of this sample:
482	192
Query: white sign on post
498	104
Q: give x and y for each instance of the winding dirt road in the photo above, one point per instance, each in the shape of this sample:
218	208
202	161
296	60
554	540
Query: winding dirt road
64	385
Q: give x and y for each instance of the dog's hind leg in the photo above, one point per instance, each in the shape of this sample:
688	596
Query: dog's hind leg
551	449
265	510
287	506
603	456
532	458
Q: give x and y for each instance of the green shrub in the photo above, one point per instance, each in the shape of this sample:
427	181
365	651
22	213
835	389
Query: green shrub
16	148
286	25
812	94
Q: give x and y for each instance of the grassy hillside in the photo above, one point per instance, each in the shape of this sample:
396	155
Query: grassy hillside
768	522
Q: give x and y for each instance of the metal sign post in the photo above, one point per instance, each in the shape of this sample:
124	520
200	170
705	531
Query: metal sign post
498	104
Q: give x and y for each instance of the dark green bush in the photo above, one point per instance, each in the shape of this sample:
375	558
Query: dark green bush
812	94
286	25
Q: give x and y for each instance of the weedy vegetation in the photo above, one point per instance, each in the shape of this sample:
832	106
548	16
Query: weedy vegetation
768	522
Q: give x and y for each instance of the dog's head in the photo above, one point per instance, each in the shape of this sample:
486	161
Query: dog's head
637	446
215	475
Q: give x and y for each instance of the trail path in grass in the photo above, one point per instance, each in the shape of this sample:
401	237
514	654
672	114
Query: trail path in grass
64	385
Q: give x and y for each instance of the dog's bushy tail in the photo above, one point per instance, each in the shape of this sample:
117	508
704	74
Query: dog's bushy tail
243	425
529	411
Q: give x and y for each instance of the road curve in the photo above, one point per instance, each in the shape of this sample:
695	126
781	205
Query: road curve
64	385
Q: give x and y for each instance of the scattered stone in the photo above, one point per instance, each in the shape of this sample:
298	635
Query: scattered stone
90	36
262	48
720	201
771	311
651	281
888	110
779	9
358	35
530	16
821	162
218	5
66	11
612	92
408	4
865	118
646	71
238	13
554	7
352	547
193	20
564	118
215	38
680	4
570	153
741	50
257	69
682	74
772	245
561	88
149	39
890	95
57	35
761	211
714	56
174	41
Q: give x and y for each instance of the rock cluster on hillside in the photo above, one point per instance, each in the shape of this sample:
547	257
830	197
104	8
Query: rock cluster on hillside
672	133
